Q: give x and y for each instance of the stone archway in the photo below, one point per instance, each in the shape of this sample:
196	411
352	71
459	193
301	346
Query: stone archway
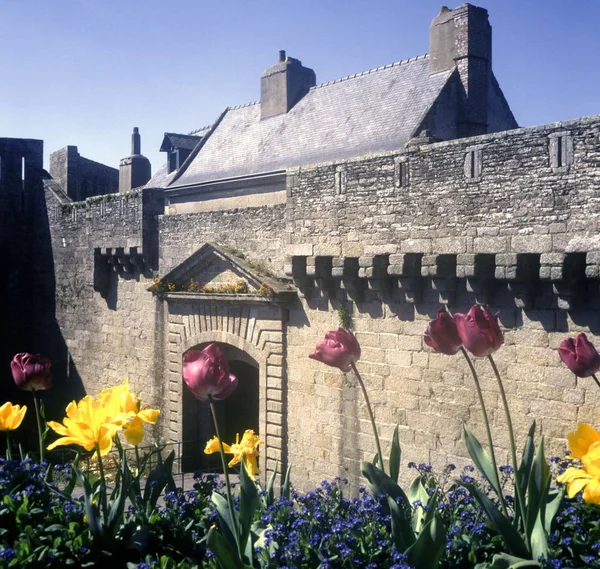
237	413
252	326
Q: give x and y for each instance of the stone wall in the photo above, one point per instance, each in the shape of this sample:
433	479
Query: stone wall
258	232
104	257
24	255
81	178
509	219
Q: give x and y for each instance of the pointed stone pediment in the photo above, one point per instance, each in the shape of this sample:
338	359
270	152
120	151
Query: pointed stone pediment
216	270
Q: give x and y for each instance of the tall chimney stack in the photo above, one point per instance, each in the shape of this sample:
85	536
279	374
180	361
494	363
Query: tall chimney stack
462	39
283	85
136	142
135	170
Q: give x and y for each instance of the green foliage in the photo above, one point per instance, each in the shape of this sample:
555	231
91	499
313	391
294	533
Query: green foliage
418	533
344	317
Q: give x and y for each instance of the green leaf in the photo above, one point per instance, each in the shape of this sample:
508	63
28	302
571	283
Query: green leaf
248	505
427	551
522	474
227	525
285	489
553	502
506	561
225	554
482	461
538	540
395	454
271	485
402	532
417	491
503	525
159	478
91	510
381	483
537	491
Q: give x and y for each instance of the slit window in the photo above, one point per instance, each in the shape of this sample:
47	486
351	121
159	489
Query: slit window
561	151
473	166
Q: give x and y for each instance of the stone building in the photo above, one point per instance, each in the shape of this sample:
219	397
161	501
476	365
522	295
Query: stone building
385	194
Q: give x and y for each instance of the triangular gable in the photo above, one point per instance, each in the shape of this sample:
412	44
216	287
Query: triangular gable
214	269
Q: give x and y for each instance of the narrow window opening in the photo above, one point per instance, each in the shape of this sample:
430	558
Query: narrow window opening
559	151
23	183
472	164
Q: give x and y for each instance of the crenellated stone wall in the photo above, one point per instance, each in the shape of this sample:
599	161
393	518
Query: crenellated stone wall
105	252
509	219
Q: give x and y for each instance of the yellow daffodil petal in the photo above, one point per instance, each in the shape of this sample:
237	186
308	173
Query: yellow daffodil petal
581	440
149	415
11	416
134	431
213	446
591	494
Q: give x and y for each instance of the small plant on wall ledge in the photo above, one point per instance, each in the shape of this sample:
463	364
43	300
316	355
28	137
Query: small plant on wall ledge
238	287
345	320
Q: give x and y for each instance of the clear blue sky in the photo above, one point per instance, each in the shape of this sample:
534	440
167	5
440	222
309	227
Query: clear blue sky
84	72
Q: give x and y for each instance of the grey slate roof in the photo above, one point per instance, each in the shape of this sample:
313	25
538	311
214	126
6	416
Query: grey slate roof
174	140
161	178
370	112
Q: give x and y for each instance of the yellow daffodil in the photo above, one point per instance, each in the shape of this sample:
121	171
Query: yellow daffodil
124	403
90	424
582	439
245	450
11	416
213	446
586	478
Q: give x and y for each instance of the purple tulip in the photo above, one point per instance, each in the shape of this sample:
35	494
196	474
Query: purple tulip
441	334
206	373
479	331
580	356
339	349
31	372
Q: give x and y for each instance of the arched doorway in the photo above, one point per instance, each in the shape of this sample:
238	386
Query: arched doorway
238	412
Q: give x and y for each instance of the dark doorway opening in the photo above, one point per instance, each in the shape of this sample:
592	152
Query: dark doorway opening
235	415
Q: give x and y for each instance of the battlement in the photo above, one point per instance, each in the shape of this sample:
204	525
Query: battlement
119	229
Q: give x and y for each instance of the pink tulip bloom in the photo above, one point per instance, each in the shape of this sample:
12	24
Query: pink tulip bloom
339	349
441	334
206	373
580	356
479	331
31	372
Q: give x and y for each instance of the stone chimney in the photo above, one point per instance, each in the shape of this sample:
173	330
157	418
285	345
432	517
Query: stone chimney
462	38
135	170
283	85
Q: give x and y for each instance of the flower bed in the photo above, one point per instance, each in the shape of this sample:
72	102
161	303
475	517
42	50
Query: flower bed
487	516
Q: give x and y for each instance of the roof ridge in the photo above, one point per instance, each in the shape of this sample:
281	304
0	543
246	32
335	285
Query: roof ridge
368	71
236	107
192	132
353	76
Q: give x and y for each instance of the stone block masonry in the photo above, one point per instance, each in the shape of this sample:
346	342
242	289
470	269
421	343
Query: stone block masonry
509	219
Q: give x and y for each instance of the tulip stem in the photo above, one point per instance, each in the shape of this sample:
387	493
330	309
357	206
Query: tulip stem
102	484
372	417
236	532
487	427
8	449
513	446
39	425
596	379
